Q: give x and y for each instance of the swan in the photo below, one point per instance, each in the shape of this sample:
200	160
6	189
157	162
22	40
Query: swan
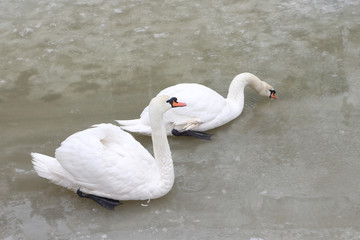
107	164
206	108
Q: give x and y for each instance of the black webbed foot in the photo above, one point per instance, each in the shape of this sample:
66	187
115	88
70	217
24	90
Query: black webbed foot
103	201
190	133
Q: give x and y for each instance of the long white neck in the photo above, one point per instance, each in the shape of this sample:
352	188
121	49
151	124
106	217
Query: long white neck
162	153
236	90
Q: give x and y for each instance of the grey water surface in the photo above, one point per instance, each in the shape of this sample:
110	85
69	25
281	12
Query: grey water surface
285	169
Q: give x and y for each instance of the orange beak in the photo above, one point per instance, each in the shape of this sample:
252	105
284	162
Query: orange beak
178	104
273	95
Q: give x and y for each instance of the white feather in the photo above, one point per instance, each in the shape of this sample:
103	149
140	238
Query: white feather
106	161
206	109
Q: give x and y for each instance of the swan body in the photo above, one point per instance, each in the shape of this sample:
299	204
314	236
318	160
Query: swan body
108	162
206	109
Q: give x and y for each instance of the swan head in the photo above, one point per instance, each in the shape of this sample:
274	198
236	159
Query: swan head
267	91
242	79
163	103
174	103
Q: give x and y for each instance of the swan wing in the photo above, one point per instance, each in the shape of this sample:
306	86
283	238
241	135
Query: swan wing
106	161
206	109
204	105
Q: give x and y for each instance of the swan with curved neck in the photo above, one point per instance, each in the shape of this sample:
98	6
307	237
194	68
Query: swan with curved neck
206	108
107	164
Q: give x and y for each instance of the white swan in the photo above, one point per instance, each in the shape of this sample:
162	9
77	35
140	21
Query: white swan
206	108
107	164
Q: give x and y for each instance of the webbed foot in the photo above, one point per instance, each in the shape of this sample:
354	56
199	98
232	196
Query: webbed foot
103	201
190	133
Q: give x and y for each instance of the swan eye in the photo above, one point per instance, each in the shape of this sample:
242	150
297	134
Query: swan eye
272	93
172	100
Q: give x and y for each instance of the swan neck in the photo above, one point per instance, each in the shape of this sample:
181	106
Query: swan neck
236	90
238	84
162	153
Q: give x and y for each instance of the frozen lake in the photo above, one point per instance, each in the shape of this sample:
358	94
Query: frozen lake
285	169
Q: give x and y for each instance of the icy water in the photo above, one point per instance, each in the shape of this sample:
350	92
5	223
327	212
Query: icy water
285	169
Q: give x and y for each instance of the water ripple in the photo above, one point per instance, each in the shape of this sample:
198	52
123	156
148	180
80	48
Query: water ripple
191	184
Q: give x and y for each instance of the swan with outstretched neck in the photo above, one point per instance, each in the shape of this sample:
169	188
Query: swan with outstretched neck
107	164
206	108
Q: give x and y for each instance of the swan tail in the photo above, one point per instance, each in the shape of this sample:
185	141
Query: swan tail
49	168
134	125
131	122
